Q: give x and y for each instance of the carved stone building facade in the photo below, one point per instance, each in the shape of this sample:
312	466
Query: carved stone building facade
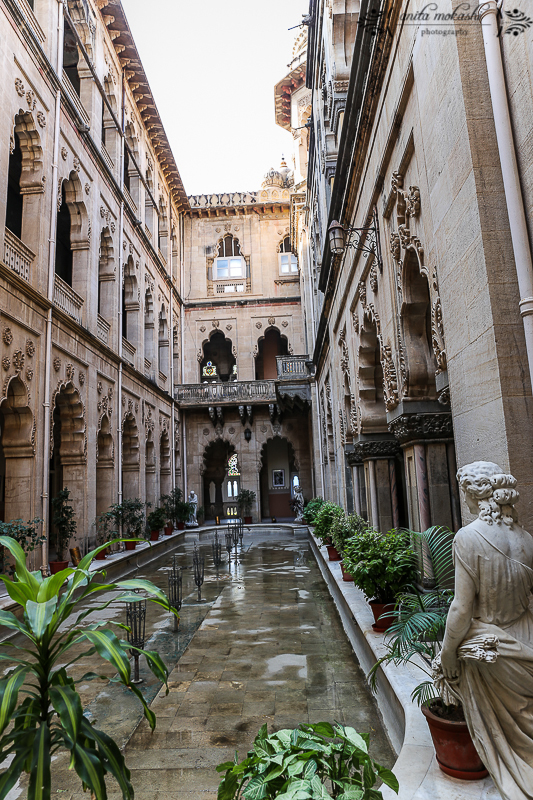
419	319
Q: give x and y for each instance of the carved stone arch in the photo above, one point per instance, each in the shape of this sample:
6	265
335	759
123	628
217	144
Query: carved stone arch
109	87
79	218
219	443
85	26
265	370
130	441
32	178
18	433
132	139
416	316
293	450
66	401
373	412
106	256
228	360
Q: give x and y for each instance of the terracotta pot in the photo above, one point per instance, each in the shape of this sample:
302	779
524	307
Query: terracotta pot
169	530
131	545
101	555
57	566
333	553
181	526
247	520
346	575
456	754
378	609
154	536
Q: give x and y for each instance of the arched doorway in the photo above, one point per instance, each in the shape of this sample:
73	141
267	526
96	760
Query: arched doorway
216	458
105	467
130	458
68	461
271	345
218	352
279	468
16	453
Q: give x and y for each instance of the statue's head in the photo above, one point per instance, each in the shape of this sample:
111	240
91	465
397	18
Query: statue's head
489	492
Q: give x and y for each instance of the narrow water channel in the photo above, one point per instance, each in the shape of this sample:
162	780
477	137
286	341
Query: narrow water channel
264	644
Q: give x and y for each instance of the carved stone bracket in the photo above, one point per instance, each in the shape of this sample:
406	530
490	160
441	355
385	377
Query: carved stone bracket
372	449
409	428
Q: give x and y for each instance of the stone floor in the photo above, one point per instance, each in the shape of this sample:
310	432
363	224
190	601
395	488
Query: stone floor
264	645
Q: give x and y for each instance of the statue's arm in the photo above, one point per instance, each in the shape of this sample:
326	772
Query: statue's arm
458	622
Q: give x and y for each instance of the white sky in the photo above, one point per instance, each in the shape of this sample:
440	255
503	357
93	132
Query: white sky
212	66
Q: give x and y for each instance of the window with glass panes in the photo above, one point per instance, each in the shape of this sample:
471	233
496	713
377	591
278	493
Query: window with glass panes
229	263
288	263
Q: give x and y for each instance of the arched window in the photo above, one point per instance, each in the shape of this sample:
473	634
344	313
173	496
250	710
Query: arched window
149	327
71	58
130	304
106	276
127	183
163	342
218	361
14	196
271	345
63	265
229	262
288	263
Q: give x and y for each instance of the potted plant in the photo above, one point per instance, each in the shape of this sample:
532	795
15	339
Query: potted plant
64	528
312	509
342	531
25	533
382	565
168	528
155	521
416	637
103	535
40	709
177	509
129	516
300	763
324	519
245	501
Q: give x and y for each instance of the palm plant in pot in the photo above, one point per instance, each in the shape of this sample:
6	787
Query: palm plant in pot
25	533
324	520
129	518
343	530
168	527
382	565
416	637
245	501
41	712
155	521
63	528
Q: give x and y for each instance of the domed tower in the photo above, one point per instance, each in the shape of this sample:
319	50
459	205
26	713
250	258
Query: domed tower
293	106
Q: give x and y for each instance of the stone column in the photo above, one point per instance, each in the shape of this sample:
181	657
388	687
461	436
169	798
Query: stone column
394	493
382	496
422	487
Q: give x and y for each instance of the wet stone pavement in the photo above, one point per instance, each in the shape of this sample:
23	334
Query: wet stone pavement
264	645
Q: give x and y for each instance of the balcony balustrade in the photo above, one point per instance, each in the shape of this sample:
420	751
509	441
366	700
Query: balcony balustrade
107	158
128	352
230	393
75	100
292	368
102	329
67	300
17	256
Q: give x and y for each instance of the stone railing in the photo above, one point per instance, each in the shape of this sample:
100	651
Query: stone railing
102	329
107	158
147	367
130	199
67	300
128	351
17	256
230	393
292	367
223	199
75	100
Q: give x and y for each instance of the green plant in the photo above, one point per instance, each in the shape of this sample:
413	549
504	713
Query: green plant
25	533
63	521
416	637
312	509
103	529
245	501
345	528
324	520
300	763
382	565
200	514
175	507
128	515
156	519
50	717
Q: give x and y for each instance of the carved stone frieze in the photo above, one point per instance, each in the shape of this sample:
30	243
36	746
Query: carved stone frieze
390	379
372	449
411	427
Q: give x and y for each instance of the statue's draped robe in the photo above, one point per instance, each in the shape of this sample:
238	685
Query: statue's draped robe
498	697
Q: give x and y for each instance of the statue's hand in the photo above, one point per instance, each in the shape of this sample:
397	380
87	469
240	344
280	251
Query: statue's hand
449	663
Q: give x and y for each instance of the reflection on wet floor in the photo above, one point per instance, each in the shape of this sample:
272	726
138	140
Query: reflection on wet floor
264	645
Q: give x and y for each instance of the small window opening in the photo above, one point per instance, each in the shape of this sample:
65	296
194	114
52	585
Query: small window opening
63	265
14	197
71	58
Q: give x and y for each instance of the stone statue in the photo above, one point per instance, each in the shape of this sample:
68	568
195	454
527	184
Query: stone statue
487	652
298	504
193	500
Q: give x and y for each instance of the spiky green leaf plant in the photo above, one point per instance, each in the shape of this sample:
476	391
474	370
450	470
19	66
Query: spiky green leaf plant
40	710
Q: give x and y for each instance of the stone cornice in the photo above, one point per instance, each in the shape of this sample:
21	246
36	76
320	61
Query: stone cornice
409	428
373	449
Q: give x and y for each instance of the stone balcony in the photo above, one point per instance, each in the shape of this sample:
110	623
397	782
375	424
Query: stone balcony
17	256
67	300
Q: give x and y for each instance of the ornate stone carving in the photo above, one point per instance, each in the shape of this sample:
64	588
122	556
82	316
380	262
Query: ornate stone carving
70	372
395	246
64	153
390	379
57	364
355	321
41	119
7	336
205	431
259	325
99	387
411	427
228	327
437	329
412	202
378	448
271	320
30	99
199	355
29	374
362	293
215	323
30	348
19	86
231	430
203	328
18	360
6	363
284	323
373	278
76	164
81	378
